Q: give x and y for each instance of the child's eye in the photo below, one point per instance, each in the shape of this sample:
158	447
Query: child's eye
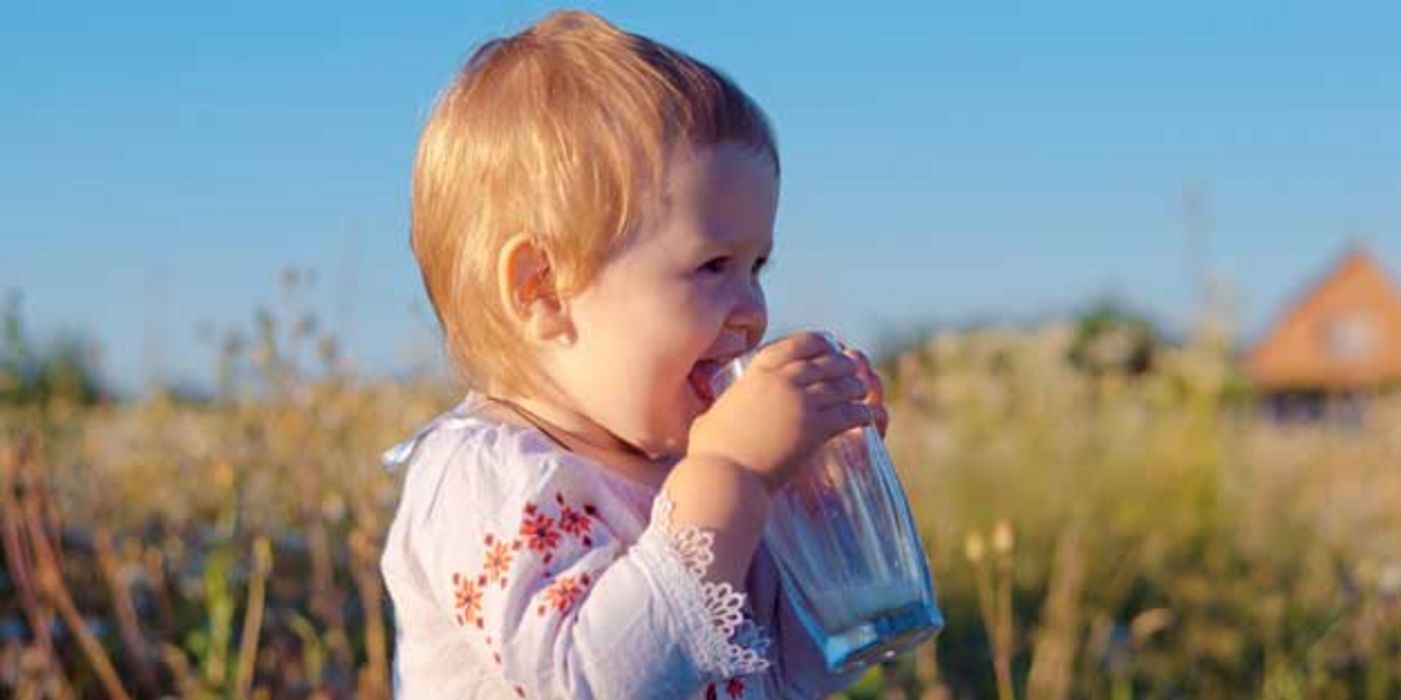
717	265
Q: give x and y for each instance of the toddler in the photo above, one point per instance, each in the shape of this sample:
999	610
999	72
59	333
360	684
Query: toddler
591	210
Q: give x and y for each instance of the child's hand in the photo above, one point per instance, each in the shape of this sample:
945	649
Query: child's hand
795	395
875	397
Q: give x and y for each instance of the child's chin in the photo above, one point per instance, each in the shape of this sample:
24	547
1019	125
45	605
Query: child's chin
673	445
665	449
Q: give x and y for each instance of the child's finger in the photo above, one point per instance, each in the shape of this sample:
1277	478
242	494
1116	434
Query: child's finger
799	346
840	417
839	390
823	369
868	375
877	387
875	395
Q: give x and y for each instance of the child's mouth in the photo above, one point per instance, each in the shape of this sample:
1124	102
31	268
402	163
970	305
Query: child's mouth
710	377
700	378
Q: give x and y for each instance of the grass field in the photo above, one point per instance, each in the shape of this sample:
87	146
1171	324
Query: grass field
1095	530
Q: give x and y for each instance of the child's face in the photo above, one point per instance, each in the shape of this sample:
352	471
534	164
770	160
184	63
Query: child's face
685	289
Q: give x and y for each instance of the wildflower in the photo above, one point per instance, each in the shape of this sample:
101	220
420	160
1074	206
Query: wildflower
973	547
1002	540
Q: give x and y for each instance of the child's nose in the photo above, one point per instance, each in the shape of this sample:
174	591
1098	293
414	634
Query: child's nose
751	315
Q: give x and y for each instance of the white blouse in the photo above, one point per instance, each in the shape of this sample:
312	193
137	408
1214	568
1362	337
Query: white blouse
520	569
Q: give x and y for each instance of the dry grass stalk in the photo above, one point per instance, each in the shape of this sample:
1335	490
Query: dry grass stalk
993	577
47	671
253	616
138	652
49	583
1053	664
365	560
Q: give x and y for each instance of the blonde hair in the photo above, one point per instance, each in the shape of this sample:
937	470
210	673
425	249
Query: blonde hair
560	132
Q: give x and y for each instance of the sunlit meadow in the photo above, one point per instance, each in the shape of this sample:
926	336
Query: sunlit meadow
1107	515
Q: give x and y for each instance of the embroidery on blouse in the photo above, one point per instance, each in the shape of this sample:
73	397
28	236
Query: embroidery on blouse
467	599
719	610
499	555
734	689
730	646
563	593
541	534
576	522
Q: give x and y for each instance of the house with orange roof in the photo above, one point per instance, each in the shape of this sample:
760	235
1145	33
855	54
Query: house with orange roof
1341	339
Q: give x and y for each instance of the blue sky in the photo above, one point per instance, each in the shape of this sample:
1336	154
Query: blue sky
161	162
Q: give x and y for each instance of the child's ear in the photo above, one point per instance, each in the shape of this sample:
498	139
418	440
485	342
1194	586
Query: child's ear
529	293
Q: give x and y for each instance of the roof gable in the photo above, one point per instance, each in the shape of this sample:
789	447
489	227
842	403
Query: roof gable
1343	333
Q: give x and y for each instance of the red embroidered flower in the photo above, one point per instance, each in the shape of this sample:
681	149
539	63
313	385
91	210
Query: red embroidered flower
734	687
498	560
467	600
563	593
539	532
710	693
576	523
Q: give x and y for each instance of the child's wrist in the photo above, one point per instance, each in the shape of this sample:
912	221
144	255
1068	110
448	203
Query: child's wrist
745	473
721	496
726	488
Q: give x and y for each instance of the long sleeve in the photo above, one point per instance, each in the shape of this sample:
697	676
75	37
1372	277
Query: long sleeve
514	551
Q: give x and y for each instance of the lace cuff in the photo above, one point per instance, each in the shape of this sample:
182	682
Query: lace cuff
725	643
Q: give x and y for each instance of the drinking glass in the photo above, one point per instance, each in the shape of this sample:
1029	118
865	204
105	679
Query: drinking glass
847	550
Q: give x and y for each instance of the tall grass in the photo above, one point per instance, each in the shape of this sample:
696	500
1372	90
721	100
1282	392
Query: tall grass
1169	542
1094	532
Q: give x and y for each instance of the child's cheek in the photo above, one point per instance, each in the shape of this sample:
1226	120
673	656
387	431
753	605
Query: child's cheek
712	307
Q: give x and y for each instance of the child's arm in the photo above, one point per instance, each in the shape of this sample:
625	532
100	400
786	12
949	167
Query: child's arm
795	395
801	670
723	498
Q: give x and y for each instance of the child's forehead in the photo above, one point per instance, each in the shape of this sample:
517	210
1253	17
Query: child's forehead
689	164
694	229
728	172
719	196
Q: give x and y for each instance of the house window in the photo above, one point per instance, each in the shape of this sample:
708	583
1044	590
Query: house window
1350	336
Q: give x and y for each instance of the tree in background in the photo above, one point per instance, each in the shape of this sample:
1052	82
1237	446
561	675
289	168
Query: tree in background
1111	339
63	370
